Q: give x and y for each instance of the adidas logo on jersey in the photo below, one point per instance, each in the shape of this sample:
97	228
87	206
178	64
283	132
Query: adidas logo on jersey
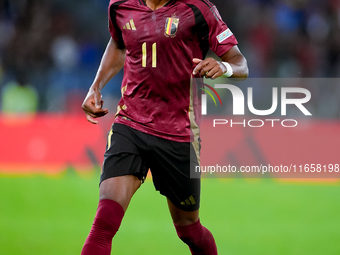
130	25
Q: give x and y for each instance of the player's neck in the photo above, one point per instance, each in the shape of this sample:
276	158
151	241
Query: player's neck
155	4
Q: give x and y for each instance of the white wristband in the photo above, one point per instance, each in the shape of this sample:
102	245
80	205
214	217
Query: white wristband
229	71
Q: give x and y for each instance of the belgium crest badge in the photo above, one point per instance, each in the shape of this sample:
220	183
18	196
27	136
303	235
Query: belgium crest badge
171	27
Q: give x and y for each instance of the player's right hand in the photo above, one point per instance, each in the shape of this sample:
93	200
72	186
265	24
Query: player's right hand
92	106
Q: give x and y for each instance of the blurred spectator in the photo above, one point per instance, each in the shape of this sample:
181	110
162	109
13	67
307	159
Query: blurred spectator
19	97
27	50
65	53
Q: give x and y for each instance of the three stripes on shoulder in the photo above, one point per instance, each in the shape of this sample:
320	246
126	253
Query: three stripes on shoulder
130	25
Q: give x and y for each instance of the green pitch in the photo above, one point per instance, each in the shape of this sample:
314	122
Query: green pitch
43	215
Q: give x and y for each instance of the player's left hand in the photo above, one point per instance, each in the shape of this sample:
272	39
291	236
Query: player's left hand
210	68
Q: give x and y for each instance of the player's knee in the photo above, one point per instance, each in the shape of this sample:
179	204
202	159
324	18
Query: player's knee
188	237
109	215
105	226
106	223
119	189
188	233
185	221
122	201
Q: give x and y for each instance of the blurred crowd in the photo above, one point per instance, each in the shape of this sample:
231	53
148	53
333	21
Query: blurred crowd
50	49
53	47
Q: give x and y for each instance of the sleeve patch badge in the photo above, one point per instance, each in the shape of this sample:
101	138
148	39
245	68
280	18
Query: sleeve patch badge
224	35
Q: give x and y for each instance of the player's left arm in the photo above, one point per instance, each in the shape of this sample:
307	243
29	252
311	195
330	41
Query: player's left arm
212	68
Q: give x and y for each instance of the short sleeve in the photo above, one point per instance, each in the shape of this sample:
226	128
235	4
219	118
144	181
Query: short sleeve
221	39
114	29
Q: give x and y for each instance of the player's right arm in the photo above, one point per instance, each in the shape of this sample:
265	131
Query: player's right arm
112	61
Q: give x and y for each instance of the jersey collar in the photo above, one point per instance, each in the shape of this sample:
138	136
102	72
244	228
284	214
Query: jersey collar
171	2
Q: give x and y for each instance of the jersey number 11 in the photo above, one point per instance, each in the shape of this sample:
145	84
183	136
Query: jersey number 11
154	55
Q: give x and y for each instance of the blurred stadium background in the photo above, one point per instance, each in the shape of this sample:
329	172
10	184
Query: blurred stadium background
50	156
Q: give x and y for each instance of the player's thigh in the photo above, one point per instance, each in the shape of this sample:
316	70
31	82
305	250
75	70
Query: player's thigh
119	189
181	217
171	169
123	168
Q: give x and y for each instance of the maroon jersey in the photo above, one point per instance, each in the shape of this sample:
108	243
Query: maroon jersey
157	91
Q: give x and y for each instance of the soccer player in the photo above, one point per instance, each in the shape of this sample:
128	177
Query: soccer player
162	45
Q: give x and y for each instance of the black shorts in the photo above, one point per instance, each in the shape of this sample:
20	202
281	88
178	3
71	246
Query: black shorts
132	152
